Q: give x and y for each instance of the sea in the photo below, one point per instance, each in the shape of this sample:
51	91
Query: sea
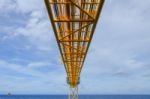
80	97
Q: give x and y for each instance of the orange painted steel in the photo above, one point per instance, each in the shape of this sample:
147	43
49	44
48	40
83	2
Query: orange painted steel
73	22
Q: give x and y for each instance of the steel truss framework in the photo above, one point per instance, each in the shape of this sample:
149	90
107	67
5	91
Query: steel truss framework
73	22
73	93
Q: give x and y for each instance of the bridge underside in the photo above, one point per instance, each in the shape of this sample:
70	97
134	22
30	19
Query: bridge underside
73	22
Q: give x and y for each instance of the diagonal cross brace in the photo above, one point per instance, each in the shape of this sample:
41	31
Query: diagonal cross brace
76	30
81	9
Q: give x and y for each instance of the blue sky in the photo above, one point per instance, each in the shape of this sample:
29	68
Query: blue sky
118	61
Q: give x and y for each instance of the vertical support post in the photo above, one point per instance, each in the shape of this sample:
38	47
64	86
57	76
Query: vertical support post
73	93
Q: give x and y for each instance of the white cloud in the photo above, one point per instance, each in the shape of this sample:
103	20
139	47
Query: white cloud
116	54
118	59
6	6
38	64
31	78
18	68
36	26
38	33
25	6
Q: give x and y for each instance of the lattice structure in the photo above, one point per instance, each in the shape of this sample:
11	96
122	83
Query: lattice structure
74	22
73	93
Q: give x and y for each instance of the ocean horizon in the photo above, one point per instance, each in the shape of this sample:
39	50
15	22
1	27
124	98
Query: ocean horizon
80	96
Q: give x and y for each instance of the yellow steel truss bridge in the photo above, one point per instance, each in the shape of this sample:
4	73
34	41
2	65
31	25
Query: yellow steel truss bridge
73	22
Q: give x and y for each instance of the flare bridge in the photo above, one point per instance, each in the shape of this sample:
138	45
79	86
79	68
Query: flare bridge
73	23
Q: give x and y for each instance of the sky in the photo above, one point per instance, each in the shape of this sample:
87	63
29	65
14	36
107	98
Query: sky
118	61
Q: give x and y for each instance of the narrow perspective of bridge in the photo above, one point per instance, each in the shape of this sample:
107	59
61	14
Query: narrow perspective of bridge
73	22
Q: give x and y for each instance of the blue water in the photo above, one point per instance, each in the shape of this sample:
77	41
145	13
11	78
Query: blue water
80	97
